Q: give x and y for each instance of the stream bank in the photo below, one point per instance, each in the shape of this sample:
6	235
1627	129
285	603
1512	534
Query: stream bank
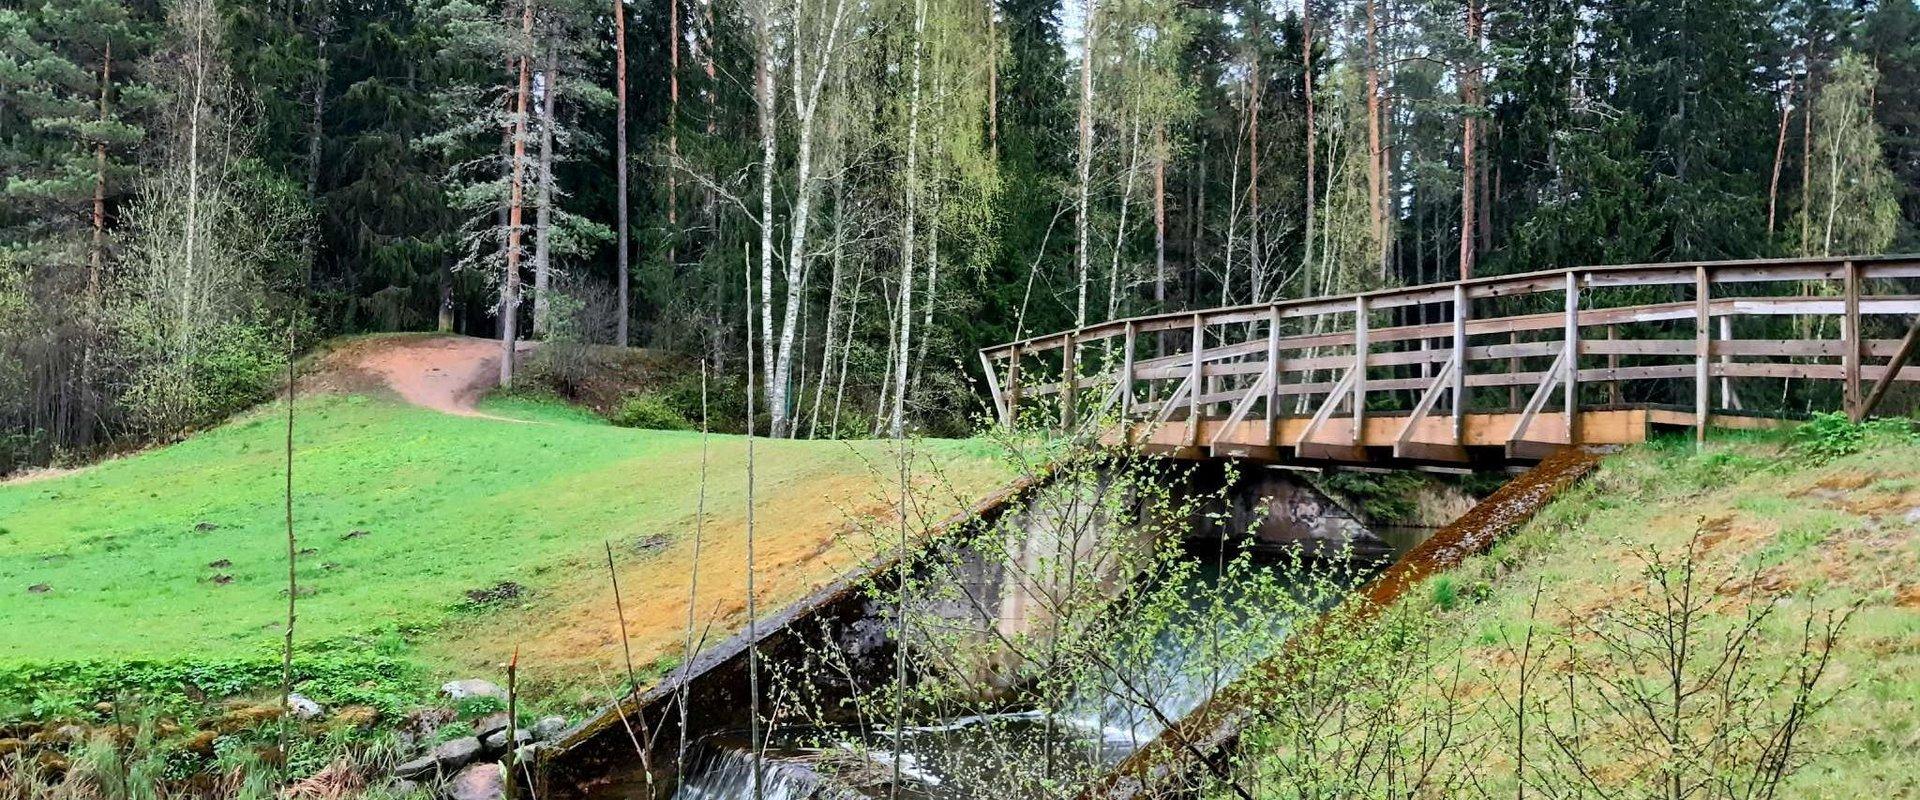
1004	580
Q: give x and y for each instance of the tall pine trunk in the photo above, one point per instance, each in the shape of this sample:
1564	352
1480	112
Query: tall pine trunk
1376	179
97	258
543	213
1255	89
622	246
1306	86
1469	135
510	287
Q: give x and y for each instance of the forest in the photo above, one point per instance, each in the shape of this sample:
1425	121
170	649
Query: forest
835	202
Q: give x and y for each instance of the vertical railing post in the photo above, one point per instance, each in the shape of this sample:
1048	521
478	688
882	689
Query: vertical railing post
1703	347
1273	373
1459	362
1069	382
1360	347
1850	341
1196	385
1613	366
1570	380
1126	380
1727	396
1013	387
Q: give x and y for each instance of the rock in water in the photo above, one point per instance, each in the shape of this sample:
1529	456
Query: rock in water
471	687
484	781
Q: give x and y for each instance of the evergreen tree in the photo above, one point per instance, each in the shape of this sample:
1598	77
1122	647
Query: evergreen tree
1891	39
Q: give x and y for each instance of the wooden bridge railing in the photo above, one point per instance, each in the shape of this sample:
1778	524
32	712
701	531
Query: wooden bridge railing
1295	373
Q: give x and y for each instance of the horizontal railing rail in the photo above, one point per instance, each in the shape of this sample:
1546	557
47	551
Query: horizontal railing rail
1652	327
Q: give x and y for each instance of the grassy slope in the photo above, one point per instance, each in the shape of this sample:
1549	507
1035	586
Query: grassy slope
1831	534
449	504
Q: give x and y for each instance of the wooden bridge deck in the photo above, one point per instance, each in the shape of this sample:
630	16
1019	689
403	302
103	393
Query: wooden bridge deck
1507	368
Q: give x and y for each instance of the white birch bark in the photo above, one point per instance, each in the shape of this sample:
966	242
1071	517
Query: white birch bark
897	424
806	89
1087	41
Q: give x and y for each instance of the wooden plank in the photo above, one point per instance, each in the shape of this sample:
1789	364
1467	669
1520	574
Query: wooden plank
1273	372
1440	384
1460	311
1126	374
1614	348
1538	400
1613	362
1198	346
1013	388
993	389
1360	348
1829	372
1069	381
1570	383
1726	383
1340	389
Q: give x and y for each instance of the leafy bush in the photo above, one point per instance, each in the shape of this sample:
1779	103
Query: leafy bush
649	411
726	400
1832	435
329	674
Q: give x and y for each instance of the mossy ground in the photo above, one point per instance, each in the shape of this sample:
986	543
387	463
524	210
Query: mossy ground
178	554
1775	526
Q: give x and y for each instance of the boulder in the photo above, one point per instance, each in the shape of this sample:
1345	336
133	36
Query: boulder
422	722
471	687
549	728
303	708
484	781
402	787
449	756
490	724
496	742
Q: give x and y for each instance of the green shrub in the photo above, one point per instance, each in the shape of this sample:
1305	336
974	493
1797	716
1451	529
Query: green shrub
649	411
1832	435
479	706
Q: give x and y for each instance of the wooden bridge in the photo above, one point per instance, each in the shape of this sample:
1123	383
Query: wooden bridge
1495	369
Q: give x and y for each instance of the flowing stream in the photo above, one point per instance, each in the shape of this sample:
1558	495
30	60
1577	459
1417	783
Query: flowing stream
1160	679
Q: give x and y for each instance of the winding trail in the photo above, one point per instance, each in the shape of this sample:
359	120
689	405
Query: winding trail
445	373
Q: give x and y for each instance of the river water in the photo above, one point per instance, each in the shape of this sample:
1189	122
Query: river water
1161	676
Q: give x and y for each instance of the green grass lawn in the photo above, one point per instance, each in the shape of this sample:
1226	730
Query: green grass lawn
180	551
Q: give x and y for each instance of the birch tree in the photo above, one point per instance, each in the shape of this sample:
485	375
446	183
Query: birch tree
1855	203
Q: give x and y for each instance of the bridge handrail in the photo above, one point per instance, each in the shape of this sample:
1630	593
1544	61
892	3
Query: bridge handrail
1756	270
1244	381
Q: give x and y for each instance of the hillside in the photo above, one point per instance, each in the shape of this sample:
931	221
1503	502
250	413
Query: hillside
1576	618
450	538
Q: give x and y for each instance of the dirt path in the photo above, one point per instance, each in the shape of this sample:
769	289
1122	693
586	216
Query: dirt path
444	373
